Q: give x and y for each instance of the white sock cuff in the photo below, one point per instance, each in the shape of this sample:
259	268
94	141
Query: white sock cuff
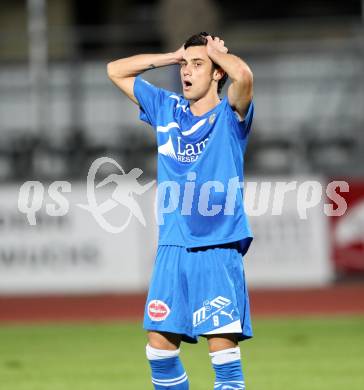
225	356
158	354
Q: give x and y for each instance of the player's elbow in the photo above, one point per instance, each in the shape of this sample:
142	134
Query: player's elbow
244	75
111	69
115	69
244	81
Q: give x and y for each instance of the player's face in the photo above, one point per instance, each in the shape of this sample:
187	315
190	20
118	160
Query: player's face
197	72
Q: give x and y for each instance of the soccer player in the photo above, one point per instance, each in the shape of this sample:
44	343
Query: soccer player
198	285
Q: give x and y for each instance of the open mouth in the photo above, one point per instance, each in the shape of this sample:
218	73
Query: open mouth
187	84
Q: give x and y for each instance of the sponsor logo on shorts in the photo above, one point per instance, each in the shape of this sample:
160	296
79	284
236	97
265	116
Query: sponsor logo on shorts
209	309
230	314
158	310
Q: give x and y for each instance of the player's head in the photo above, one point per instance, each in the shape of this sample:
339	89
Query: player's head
198	73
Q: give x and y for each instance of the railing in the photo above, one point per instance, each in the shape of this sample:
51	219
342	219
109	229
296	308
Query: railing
309	99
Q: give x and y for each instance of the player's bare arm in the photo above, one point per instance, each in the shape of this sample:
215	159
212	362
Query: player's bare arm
123	71
240	91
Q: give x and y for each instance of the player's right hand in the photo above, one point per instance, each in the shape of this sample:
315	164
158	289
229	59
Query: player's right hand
179	54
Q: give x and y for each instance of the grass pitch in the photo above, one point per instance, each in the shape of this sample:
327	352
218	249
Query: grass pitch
292	354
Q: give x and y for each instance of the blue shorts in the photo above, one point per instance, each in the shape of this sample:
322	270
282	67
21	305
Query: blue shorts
198	292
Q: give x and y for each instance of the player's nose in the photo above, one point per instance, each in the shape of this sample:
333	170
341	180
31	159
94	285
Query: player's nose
187	70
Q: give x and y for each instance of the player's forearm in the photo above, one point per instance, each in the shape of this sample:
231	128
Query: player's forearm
235	67
133	66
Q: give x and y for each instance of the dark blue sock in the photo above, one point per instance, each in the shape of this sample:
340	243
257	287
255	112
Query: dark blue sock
229	376
167	372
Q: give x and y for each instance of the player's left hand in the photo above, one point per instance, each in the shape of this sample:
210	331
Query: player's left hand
215	44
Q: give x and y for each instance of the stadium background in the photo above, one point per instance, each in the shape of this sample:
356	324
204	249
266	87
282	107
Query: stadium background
70	291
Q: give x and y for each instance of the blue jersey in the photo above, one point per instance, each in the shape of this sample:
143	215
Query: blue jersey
200	169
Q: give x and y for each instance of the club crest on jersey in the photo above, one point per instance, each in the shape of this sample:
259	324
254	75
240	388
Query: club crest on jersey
158	310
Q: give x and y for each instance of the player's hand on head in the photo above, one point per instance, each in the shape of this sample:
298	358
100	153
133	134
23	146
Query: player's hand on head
215	44
179	53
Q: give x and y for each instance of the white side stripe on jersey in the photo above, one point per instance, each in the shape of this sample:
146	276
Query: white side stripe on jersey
172	125
195	127
167	149
165	129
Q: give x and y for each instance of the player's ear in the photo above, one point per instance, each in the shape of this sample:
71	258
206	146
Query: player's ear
218	74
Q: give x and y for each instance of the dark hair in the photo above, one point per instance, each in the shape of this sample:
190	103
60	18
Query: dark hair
200	40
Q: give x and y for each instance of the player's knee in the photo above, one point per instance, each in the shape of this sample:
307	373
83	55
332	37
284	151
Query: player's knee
165	341
222	342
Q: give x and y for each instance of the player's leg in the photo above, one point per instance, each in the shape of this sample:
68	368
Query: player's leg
225	357
221	342
164	340
220	309
163	354
164	319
